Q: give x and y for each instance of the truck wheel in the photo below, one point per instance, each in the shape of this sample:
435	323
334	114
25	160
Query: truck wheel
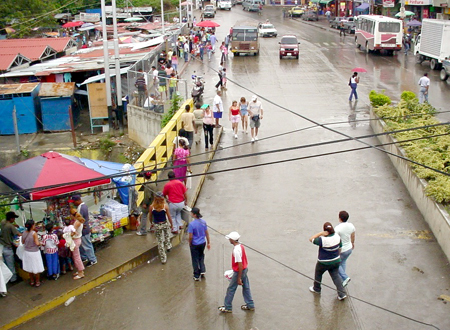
419	58
443	75
434	64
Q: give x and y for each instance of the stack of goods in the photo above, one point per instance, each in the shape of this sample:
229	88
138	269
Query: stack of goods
117	212
100	229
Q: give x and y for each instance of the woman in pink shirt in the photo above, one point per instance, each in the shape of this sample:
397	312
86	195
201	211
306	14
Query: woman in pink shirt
181	157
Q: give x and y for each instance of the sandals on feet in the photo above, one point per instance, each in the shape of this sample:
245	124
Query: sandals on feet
78	277
38	284
246	308
222	309
32	283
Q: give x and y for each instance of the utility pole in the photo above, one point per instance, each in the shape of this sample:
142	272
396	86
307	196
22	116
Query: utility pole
162	17
119	111
16	129
106	63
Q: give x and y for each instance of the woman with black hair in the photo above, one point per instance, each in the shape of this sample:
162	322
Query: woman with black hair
329	259
32	259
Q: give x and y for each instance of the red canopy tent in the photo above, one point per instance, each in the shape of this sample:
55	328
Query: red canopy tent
49	169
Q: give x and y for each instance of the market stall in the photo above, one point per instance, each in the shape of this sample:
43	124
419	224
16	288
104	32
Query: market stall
55	177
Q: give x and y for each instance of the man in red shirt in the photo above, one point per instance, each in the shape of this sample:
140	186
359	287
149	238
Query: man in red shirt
239	264
175	193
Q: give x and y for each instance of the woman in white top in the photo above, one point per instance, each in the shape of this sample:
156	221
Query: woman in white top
78	225
354	80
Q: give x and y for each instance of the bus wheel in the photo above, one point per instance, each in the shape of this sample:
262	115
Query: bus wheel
434	64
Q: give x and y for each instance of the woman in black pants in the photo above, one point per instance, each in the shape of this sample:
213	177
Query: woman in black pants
208	126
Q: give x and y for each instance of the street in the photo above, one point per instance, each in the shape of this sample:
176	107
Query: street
396	264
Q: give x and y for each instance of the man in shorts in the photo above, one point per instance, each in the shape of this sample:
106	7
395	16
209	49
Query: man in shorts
255	112
218	107
162	76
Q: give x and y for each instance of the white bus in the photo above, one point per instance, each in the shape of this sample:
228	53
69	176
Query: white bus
376	33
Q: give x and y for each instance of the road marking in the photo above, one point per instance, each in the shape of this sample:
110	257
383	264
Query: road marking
326	43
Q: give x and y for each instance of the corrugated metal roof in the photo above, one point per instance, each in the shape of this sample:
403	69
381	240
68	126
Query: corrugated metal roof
58	44
33	52
57	89
17	88
6	60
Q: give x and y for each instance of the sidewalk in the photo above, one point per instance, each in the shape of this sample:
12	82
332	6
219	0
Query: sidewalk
119	255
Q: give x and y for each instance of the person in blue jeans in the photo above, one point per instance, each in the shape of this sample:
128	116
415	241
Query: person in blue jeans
8	232
198	240
239	265
86	248
346	231
353	83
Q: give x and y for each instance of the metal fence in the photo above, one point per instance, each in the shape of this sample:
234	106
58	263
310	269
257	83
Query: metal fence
155	97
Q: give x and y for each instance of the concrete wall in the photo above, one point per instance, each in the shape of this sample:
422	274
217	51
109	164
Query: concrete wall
143	125
434	213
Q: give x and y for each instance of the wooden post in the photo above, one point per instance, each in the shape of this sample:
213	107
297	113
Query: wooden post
72	127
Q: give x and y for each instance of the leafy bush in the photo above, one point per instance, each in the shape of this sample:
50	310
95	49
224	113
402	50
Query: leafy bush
432	147
106	145
408	96
174	107
378	99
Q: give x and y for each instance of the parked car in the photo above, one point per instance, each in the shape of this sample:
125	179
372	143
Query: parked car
251	5
336	22
267	30
350	25
289	46
445	71
296	12
310	15
209	11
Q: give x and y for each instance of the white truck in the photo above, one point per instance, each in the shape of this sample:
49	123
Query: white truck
224	4
433	44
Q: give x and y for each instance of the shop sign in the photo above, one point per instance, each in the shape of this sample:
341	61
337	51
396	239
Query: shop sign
425	13
342	5
388	3
419	2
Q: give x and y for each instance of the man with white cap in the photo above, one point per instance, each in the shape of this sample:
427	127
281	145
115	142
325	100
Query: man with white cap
239	264
255	112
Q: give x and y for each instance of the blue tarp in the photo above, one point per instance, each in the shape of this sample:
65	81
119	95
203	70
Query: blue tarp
111	168
363	7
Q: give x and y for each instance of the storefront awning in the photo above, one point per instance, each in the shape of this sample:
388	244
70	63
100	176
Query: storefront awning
363	7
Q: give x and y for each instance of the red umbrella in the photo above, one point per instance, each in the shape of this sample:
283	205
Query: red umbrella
362	70
73	24
50	169
207	24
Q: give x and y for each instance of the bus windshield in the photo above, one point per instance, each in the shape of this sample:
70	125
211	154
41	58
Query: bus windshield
392	27
245	34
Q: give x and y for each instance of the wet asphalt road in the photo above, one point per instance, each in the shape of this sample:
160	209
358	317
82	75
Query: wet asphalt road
396	264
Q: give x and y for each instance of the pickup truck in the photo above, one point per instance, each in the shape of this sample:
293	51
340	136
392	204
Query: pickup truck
209	11
445	71
350	25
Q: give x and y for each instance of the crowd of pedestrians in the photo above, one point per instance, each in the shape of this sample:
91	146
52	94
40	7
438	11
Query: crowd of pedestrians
59	250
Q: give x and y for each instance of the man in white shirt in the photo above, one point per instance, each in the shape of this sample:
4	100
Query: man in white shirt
346	231
218	107
424	84
186	51
255	112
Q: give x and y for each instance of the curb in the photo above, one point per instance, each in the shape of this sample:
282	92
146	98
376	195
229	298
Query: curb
127	266
39	310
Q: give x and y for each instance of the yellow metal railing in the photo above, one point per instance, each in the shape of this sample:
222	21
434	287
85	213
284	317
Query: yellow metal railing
156	156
